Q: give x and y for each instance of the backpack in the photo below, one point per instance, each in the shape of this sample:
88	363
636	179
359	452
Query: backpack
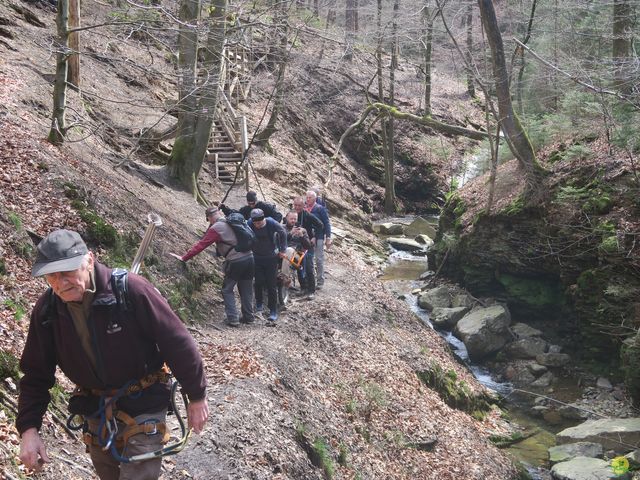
275	214
245	237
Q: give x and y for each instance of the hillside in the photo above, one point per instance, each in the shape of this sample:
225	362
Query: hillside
338	375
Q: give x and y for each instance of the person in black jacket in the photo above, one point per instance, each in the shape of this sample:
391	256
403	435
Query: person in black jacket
270	247
269	209
78	326
315	228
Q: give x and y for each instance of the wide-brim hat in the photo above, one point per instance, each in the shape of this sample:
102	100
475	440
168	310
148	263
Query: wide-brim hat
60	251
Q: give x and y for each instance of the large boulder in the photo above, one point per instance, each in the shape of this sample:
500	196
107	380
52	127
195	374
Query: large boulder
484	331
420	226
447	317
522	330
388	228
405	244
527	347
618	434
424	240
564	453
553	359
582	468
439	297
461	300
543	381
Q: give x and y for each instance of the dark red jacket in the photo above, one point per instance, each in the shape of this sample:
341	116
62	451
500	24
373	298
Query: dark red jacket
151	334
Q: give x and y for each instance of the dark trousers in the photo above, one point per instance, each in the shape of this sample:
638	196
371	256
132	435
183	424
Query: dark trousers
266	273
238	273
309	272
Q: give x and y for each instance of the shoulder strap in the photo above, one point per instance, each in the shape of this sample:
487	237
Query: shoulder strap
119	288
49	308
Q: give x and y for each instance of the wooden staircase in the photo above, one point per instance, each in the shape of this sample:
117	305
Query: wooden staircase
228	141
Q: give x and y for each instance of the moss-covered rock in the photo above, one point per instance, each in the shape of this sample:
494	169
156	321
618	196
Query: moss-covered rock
455	393
532	293
569	262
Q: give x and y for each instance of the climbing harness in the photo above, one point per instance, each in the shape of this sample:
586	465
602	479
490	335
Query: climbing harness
297	258
110	438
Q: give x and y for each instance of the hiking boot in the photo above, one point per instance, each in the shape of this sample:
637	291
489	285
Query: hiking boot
247	321
233	323
273	316
259	308
311	296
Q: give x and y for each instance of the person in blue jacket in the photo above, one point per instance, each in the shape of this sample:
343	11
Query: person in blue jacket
322	240
270	247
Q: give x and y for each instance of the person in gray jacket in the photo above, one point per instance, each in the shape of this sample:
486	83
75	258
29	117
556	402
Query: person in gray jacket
238	267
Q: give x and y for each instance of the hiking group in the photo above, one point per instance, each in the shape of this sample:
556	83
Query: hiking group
260	246
115	336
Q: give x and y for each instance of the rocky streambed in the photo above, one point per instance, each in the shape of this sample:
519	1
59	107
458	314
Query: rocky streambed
567	424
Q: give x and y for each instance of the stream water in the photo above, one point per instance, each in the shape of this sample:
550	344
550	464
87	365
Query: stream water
403	272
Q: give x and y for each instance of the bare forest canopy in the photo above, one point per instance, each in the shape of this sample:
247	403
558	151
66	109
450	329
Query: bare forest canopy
535	71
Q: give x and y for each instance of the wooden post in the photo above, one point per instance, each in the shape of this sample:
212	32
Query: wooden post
73	75
245	146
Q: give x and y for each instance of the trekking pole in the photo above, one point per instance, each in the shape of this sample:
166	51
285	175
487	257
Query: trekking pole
154	221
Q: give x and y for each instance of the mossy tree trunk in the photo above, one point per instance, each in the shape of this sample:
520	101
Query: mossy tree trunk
58	123
183	147
191	144
515	134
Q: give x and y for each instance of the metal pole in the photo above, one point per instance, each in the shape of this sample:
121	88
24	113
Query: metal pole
154	221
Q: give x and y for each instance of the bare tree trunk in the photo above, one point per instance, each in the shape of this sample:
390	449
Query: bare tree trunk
183	147
278	103
622	44
469	23
381	96
428	17
331	13
389	187
515	135
554	76
520	52
350	28
58	125
356	21
330	20
73	74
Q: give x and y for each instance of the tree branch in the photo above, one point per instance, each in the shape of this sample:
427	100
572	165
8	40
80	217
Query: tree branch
569	75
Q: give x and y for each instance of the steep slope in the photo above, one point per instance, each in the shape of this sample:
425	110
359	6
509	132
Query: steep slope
339	371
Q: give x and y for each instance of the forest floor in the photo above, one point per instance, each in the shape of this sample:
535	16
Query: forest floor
339	370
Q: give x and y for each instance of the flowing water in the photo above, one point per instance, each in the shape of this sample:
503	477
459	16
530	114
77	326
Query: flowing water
403	271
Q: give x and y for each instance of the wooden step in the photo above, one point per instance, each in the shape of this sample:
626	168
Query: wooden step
228	155
235	160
